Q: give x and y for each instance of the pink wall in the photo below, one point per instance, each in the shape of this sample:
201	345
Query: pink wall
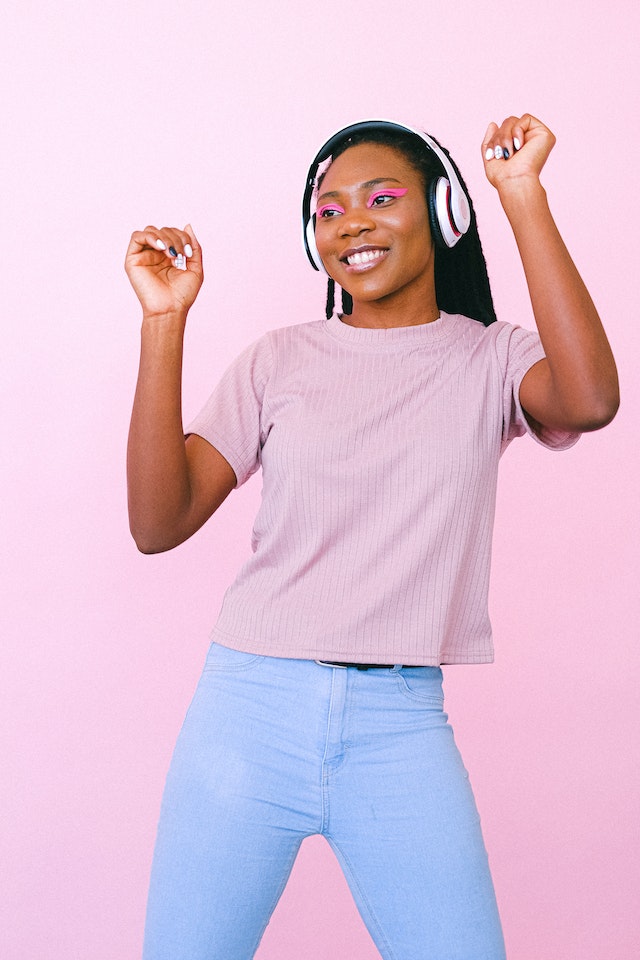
124	114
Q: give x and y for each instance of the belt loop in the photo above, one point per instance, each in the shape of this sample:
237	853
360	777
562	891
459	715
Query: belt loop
397	667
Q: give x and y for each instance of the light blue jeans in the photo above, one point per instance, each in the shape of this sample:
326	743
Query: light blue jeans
274	750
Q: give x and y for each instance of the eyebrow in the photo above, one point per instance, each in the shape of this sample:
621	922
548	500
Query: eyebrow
363	186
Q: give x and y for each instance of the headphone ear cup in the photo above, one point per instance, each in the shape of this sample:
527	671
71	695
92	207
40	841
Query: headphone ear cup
434	214
310	243
445	232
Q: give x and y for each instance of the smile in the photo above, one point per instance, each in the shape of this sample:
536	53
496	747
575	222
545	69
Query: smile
364	258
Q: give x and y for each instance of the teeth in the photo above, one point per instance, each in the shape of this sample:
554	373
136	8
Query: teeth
366	256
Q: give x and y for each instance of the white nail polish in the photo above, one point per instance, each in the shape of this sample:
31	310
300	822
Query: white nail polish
516	143
188	250
180	262
498	154
160	245
489	154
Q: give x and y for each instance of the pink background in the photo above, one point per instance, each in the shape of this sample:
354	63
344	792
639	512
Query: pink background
117	115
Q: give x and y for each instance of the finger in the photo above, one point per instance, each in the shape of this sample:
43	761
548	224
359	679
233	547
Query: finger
487	142
505	140
528	122
147	239
192	247
176	246
518	136
184	248
145	249
171	243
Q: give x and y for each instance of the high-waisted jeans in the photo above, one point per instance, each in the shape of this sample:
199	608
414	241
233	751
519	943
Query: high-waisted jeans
274	750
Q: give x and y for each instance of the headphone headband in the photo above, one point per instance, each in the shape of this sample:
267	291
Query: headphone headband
451	210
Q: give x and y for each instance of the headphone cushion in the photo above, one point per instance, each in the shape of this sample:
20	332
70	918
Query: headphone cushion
443	224
434	214
310	245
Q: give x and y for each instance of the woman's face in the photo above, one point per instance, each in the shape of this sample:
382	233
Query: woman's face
372	224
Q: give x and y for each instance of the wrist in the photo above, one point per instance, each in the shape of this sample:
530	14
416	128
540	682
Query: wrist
172	320
524	201
523	190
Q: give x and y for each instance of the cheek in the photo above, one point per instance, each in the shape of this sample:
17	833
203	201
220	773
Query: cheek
323	245
421	239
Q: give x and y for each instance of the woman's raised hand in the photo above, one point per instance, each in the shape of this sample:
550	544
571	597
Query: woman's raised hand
517	149
164	267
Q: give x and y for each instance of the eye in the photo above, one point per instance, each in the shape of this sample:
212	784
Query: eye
382	197
329	210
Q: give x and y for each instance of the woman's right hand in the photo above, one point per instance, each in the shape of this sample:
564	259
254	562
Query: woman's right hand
162	288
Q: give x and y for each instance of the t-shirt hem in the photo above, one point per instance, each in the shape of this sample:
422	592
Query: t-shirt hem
223	448
287	652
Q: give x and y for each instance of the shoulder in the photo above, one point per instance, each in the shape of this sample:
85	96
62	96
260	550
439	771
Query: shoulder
290	335
294	333
514	347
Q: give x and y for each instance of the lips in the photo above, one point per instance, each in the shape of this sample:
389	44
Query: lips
363	258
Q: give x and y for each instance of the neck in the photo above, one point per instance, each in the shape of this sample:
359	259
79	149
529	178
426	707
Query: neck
395	311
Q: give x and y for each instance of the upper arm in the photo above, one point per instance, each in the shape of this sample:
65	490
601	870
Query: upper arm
537	399
211	479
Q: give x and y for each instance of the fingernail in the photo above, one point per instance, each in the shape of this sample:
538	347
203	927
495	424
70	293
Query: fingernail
188	250
505	153
489	154
173	251
160	245
516	143
498	153
180	262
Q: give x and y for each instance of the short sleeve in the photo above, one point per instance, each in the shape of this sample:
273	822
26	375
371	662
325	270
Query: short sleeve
518	350
231	419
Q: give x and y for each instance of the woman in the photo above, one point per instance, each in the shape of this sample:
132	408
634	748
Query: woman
379	431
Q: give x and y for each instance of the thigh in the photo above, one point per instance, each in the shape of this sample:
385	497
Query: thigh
230	823
405	827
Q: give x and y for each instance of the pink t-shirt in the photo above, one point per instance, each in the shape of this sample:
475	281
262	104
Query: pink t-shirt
379	451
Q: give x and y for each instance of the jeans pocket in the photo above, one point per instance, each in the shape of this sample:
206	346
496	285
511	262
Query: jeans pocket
227	659
422	685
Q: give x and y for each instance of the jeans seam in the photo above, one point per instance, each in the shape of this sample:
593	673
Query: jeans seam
354	884
406	691
276	899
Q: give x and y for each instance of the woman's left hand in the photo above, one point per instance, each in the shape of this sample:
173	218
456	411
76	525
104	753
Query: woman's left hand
518	148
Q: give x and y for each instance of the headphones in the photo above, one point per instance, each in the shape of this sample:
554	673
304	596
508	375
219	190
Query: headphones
447	202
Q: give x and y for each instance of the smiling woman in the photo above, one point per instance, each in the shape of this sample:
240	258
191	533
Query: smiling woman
376	243
462	284
379	431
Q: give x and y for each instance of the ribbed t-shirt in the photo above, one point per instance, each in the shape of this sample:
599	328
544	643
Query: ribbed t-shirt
379	452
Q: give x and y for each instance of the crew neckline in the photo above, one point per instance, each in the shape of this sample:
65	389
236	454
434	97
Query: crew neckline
391	336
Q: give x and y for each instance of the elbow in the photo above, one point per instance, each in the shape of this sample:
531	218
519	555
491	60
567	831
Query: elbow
607	407
148	549
148	545
150	541
600	413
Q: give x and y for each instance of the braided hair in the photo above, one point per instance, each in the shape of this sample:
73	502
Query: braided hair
461	278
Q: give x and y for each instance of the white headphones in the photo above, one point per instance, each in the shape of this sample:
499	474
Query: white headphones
448	204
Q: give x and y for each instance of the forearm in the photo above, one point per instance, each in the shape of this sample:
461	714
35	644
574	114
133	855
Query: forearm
157	469
581	369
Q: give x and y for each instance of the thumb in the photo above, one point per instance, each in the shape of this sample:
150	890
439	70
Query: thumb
195	246
189	229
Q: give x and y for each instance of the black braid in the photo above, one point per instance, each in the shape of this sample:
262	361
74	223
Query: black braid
461	278
347	299
331	296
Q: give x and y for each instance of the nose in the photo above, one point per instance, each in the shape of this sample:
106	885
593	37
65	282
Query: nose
356	220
